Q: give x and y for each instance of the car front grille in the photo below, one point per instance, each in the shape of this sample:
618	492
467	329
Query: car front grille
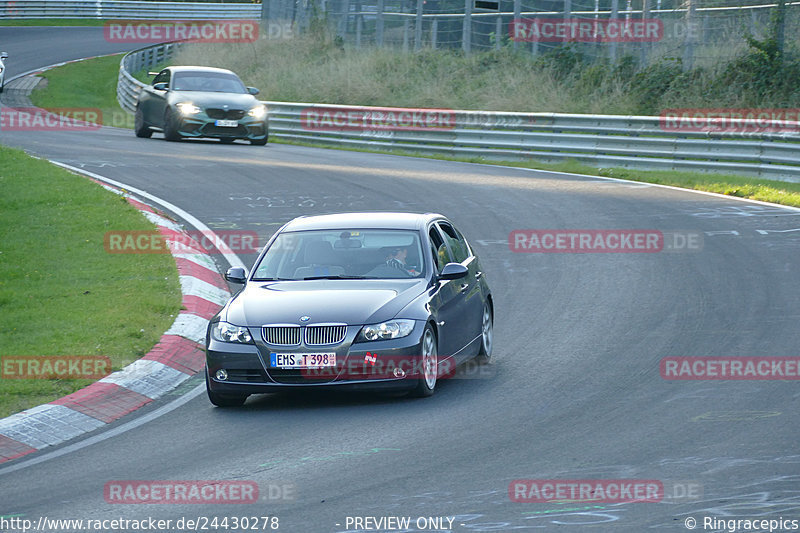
224	114
321	335
282	335
289	335
224	131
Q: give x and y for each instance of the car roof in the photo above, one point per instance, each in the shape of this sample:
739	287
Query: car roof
363	220
201	69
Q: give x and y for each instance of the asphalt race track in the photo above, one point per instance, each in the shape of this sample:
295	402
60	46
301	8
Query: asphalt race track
574	391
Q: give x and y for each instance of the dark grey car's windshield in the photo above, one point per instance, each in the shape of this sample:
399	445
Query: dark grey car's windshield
216	82
343	254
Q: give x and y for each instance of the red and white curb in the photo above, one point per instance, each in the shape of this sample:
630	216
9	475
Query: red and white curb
177	356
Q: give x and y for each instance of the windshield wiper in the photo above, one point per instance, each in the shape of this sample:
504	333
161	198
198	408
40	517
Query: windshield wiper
274	279
338	276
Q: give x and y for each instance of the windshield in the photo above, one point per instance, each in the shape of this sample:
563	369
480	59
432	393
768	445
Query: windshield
343	253
215	82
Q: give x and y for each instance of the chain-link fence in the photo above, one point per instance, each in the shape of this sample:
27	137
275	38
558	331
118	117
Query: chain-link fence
694	31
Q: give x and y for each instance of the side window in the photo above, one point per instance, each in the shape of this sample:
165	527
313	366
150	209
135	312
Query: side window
439	250
162	76
458	245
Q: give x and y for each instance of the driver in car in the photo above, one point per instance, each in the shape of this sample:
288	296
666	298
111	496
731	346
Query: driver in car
397	259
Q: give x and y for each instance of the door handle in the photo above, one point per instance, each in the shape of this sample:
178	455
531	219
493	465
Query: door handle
478	274
464	287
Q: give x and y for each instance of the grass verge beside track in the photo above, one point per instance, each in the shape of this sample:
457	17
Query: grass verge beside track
66	90
61	293
85	84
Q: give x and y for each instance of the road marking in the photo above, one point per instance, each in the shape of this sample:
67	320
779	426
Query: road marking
232	259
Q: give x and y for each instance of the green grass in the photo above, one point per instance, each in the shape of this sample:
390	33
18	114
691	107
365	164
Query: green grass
67	87
61	293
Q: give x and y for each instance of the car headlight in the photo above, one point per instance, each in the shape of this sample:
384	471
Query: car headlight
258	112
224	332
393	329
188	108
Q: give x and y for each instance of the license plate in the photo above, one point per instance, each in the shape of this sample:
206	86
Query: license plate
227	123
302	360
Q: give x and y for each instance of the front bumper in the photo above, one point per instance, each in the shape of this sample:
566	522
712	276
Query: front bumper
201	125
363	365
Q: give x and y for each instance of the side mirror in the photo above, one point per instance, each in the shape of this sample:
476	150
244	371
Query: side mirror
160	86
453	271
3	55
253	91
236	275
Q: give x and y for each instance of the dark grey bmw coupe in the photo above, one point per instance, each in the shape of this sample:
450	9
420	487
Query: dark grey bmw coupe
189	102
352	300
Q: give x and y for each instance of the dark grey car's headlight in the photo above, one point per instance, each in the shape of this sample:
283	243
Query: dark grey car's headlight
258	112
225	332
392	329
188	108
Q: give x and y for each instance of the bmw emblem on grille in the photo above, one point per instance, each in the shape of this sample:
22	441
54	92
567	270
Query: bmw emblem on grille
305	318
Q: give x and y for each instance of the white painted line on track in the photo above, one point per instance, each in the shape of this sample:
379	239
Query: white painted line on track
122	428
224	249
231	258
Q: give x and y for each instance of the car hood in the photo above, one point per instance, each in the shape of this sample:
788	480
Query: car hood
343	301
211	99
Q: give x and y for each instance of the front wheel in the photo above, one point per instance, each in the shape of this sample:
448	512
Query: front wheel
487	335
171	127
426	384
140	127
224	400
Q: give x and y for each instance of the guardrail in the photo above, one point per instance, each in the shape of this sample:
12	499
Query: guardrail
125	9
139	9
599	140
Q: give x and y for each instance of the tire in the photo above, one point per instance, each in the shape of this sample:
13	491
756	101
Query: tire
224	400
170	127
487	335
140	127
426	385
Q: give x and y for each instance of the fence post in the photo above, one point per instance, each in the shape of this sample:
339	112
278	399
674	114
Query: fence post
434	32
691	34
466	33
359	27
498	33
645	44
342	26
405	34
612	48
418	26
379	24
517	15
